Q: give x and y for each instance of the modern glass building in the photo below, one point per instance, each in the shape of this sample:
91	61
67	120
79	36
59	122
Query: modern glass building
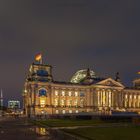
14	104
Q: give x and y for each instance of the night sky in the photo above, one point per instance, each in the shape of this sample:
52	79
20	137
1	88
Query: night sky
103	35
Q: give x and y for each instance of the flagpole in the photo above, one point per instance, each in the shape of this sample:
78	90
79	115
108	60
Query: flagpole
41	60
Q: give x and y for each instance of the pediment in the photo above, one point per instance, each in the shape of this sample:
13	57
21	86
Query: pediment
110	82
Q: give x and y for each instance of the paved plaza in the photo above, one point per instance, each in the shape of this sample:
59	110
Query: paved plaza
19	129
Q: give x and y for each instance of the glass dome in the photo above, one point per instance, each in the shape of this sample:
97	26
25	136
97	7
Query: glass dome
80	75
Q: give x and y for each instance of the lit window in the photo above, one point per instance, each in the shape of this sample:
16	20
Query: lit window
63	93
126	96
130	96
76	111
57	111
69	102
56	93
70	94
42	111
56	102
62	103
63	111
76	102
139	96
70	111
42	102
135	96
82	103
76	93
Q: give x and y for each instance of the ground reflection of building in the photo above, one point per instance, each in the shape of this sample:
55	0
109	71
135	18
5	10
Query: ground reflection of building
85	93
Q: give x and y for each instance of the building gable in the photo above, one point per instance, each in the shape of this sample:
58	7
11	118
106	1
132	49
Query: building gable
110	82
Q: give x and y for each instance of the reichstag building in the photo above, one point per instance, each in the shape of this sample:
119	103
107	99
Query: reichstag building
85	93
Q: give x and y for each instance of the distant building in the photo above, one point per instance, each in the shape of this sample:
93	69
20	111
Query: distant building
14	104
85	93
1	98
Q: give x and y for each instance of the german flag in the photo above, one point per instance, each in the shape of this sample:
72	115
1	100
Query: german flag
38	57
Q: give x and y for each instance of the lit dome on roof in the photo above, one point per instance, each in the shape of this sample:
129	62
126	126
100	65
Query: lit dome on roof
80	75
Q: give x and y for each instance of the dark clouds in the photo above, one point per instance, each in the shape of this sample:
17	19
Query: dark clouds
74	34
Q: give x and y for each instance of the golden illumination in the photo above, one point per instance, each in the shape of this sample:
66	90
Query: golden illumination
38	57
63	93
42	102
70	94
56	102
76	93
56	93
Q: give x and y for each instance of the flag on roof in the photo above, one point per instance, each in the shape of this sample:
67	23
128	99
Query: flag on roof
38	57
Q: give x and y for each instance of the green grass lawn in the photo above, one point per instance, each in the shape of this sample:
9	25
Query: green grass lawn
67	123
108	133
71	122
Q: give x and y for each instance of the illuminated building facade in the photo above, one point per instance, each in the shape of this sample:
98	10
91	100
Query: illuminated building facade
86	92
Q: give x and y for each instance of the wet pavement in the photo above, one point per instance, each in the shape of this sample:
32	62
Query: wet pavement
20	129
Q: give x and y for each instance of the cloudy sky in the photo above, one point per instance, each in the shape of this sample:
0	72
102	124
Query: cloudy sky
103	35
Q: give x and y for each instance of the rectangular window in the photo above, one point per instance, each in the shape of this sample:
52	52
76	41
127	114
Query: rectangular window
62	102
126	96
70	94
69	102
57	111
81	103
63	111
56	102
82	94
76	111
70	111
63	93
76	93
42	102
56	93
76	102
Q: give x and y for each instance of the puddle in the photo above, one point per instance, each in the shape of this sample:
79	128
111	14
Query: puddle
41	131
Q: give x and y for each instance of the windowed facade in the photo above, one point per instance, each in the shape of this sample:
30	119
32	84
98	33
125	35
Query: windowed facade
43	94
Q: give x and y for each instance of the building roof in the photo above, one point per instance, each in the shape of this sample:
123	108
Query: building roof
81	74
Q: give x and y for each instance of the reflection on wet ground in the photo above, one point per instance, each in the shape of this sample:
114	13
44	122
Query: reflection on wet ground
19	130
40	131
22	129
